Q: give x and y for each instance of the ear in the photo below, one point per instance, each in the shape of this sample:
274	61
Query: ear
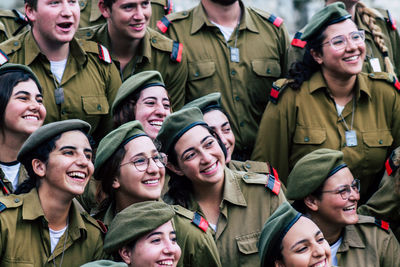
39	167
317	56
175	169
30	12
278	263
104	10
311	202
116	183
125	254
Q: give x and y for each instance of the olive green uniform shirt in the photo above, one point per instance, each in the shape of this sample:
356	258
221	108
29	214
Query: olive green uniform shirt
246	205
245	85
25	238
391	37
89	83
22	176
305	120
366	244
91	15
11	24
154	53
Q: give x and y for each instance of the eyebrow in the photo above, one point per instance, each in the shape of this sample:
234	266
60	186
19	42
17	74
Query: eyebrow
27	93
192	148
304	240
74	148
144	154
225	123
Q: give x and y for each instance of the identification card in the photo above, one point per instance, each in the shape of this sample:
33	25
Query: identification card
59	95
351	138
375	64
234	54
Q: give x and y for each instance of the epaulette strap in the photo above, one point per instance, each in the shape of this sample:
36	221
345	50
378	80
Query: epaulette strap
176	54
275	173
168	8
389	165
382	224
391	21
200	222
103	227
274	95
297	40
277	21
20	19
163	24
2	207
3	57
273	184
104	54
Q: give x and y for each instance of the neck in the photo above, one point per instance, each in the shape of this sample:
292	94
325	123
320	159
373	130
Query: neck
332	232
10	145
209	199
342	90
53	51
227	16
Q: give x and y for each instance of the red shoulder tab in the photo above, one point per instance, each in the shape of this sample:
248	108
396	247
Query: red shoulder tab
274	95
389	164
275	173
2	207
104	54
103	227
3	57
395	82
297	40
273	184
382	224
200	222
277	21
391	21
168	8
176	54
163	24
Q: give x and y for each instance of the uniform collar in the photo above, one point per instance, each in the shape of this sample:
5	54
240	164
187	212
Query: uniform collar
200	19
351	239
232	191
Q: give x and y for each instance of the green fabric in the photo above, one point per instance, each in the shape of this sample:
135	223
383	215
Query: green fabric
204	102
105	263
11	67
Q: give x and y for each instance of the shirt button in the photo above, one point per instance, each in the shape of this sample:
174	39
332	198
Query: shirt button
98	107
237	98
153	40
184	13
241	124
16	200
82	3
248	166
233	72
268	71
88	34
306	139
63	112
245	176
16	43
381	142
196	74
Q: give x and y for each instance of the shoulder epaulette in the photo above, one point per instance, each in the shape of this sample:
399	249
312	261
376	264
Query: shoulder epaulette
273	184
104	54
386	77
183	212
176	54
382	224
3	57
389	164
168	8
391	21
166	21
277	21
11	201
297	42
103	227
163	24
200	222
276	90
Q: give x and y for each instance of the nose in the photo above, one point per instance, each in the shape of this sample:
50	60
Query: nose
318	250
82	160
350	45
160	110
34	105
171	247
139	14
152	166
354	195
206	157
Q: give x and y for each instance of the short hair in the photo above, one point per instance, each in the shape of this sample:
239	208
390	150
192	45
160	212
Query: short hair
31	3
108	3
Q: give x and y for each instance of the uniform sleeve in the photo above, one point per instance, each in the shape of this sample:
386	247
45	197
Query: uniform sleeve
396	120
206	252
176	82
284	43
395	43
390	253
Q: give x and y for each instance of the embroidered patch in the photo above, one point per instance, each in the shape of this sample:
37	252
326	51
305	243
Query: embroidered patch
104	54
382	224
277	21
297	40
163	24
273	184
200	222
176	54
3	58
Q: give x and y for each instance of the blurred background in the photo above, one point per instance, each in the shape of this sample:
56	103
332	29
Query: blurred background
295	12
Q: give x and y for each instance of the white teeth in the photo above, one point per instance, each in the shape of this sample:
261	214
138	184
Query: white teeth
351	58
350	208
156	123
321	264
30	117
212	167
151	182
79	175
166	262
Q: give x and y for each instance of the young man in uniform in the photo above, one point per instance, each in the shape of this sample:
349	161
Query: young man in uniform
135	47
78	77
232	49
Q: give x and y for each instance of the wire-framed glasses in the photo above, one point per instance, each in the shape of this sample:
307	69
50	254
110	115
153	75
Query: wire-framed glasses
340	42
345	190
141	163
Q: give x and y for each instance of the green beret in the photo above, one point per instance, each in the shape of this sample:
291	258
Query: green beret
311	171
105	263
118	137
205	103
46	132
135	221
176	124
331	14
12	67
274	230
137	82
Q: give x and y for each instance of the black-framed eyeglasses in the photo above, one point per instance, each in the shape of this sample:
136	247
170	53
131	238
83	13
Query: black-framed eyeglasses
345	190
340	42
141	163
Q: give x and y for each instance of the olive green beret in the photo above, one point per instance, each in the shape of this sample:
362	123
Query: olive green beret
118	137
135	221
105	263
206	102
311	171
136	82
274	230
329	15
12	67
46	132
176	124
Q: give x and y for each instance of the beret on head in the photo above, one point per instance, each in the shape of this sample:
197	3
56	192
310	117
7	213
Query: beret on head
205	103
136	82
274	230
135	221
176	124
12	67
311	171
118	137
46	132
329	15
104	263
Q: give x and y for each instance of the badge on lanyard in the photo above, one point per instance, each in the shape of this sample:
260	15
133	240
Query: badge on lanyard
234	54
375	64
351	138
59	95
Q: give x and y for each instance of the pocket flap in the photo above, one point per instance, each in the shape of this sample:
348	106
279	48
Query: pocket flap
309	135
266	67
200	70
378	138
247	244
95	105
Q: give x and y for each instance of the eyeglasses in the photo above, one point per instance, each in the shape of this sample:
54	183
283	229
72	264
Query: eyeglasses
141	163
345	190
340	42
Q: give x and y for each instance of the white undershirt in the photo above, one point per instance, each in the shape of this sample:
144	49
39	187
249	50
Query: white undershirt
55	237
334	249
339	109
57	68
226	31
12	173
213	226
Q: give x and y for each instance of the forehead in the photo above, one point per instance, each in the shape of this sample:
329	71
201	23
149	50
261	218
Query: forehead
342	28
154	91
123	2
342	177
192	137
73	138
28	85
215	117
142	144
304	228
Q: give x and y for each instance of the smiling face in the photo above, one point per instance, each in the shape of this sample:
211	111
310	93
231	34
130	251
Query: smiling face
151	109
54	21
345	63
69	166
155	249
132	185
304	245
25	111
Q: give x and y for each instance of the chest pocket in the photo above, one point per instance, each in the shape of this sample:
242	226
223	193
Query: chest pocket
95	105
5	262
266	67
201	70
247	245
309	136
382	138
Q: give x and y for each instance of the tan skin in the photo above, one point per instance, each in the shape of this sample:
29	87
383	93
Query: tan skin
227	16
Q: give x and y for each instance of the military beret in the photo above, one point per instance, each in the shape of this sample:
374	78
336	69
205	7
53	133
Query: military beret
135	221
105	263
12	67
46	132
311	171
137	82
205	103
176	124
274	230
117	138
329	15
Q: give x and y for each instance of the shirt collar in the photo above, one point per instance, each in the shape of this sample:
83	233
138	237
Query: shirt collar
232	191
351	239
